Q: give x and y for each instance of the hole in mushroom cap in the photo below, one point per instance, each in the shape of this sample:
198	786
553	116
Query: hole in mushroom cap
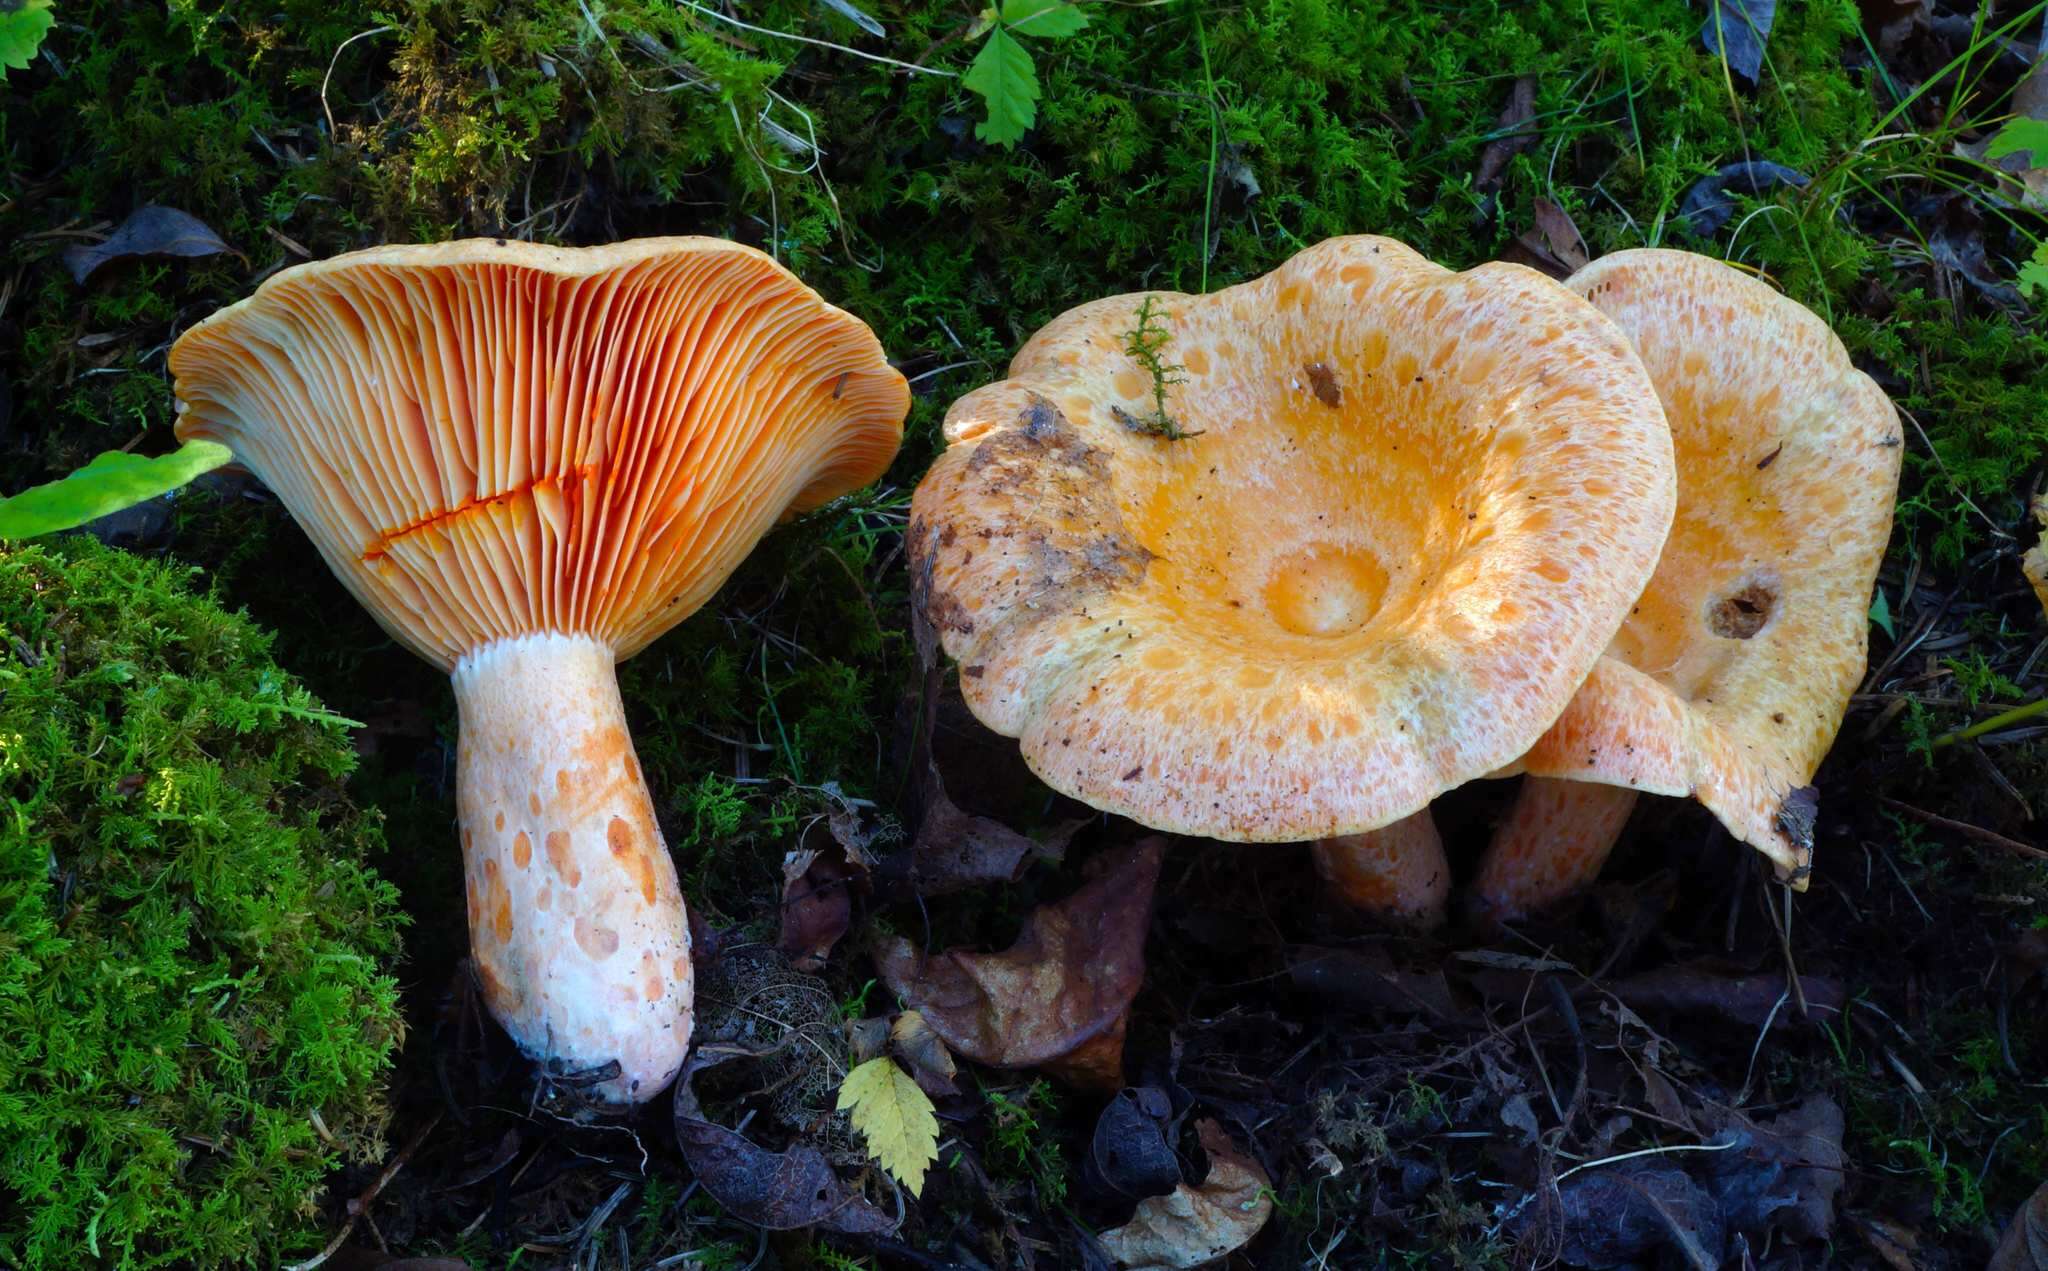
1325	590
1743	612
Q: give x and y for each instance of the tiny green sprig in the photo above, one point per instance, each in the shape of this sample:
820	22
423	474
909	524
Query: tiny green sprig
1145	343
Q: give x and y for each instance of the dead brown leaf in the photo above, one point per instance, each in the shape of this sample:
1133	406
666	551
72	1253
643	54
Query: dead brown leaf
780	1191
1748	999
1192	1226
2025	1247
1065	983
1560	234
817	906
151	230
1512	135
1554	246
1130	1153
1890	23
955	850
923	1054
1897	1244
1790	1173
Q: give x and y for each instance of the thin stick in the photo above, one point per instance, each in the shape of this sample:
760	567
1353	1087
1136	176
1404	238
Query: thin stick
823	44
361	1204
329	76
1650	1151
1967	830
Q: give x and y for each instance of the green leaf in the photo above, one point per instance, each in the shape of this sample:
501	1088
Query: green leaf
1881	614
2021	134
1003	75
23	24
113	481
1047	19
2034	273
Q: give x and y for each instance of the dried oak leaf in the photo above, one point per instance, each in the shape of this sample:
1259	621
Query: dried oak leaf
1064	984
152	230
1194	1225
2025	1247
780	1191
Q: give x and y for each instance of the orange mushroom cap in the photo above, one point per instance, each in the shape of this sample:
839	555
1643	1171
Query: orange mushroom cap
528	462
2034	564
487	438
1413	509
1731	675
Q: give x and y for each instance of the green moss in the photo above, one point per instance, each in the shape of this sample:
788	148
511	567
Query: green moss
195	1006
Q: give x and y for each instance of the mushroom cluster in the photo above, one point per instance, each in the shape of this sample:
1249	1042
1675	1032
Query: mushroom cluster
1287	561
527	463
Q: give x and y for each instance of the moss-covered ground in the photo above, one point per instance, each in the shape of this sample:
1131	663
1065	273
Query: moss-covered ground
1178	145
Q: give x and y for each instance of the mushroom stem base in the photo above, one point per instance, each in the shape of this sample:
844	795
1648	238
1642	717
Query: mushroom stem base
1553	842
1398	873
577	927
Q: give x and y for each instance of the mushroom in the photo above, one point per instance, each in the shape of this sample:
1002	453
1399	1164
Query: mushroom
1730	677
2034	564
1285	561
1398	872
528	462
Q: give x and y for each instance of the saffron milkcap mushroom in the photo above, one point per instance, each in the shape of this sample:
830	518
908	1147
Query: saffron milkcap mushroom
1730	677
1406	510
527	462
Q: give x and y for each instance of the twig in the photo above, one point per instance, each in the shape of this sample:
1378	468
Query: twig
823	44
1651	1151
332	138
361	1204
1965	829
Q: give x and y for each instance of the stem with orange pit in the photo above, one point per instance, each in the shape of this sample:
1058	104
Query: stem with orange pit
576	921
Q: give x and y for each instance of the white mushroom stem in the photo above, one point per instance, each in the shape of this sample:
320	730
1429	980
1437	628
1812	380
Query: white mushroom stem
1397	873
1552	843
576	922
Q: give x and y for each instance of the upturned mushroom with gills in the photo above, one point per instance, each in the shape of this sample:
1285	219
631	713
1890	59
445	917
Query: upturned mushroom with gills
527	463
1285	561
1731	676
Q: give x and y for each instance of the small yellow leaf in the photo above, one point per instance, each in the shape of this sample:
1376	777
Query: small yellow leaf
896	1119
